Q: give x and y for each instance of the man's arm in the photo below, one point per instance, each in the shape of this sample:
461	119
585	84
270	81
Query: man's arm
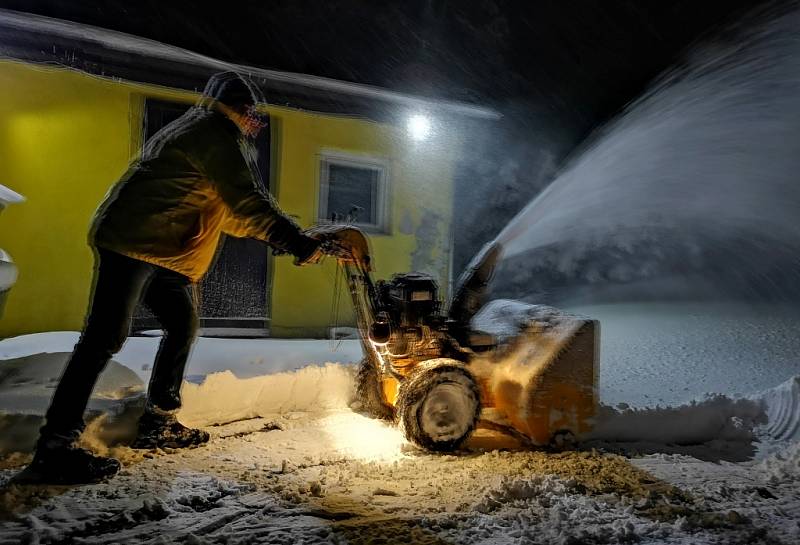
253	213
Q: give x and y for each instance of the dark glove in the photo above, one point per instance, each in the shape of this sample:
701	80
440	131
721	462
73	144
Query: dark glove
287	238
306	249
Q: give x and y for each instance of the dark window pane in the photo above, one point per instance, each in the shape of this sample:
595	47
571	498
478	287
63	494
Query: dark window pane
353	187
236	285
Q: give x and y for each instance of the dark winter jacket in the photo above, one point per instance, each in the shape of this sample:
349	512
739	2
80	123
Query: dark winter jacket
191	184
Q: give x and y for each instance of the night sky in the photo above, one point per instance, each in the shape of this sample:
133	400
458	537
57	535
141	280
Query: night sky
575	63
556	70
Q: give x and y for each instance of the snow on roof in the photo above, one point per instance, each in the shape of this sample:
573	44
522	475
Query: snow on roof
37	28
8	195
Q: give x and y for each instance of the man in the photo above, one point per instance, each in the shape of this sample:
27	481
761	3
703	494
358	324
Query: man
155	237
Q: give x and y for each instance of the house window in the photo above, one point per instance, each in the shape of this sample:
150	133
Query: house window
353	189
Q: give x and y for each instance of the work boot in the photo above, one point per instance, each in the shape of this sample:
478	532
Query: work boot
65	465
162	430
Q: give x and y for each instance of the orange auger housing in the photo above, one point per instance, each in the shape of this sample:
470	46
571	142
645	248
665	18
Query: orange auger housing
544	384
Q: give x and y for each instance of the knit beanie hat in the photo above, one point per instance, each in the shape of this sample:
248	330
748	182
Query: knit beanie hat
232	89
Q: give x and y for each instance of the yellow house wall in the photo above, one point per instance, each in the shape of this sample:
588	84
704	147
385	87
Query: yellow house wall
66	137
419	201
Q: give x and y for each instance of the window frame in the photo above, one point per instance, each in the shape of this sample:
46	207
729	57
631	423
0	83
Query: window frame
328	157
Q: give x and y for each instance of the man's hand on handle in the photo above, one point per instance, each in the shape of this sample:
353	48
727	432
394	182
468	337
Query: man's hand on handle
346	244
306	250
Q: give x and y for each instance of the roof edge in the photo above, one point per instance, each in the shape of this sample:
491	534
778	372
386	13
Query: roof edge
47	27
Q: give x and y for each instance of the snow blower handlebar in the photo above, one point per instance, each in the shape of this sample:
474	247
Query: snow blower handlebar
350	247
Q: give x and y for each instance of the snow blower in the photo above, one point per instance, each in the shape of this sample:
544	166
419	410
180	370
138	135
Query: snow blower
440	379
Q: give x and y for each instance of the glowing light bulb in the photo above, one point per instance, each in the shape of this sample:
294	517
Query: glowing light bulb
419	127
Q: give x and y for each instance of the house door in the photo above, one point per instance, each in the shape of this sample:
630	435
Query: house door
233	295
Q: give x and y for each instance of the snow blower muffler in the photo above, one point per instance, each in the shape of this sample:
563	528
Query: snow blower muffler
440	379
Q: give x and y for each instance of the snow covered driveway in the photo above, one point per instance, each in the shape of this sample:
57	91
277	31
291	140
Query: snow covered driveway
340	478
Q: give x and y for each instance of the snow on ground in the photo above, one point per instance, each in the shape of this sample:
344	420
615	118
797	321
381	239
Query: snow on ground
337	477
671	353
290	463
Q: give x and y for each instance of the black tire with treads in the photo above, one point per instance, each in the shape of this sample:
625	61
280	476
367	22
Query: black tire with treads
423	380
369	395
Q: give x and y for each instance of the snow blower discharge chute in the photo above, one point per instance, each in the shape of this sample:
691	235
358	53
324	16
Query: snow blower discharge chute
440	379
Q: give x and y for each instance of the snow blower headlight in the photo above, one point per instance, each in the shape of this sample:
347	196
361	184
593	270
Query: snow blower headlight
381	330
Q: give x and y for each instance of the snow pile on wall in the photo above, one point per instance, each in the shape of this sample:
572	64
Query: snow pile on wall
27	383
136	352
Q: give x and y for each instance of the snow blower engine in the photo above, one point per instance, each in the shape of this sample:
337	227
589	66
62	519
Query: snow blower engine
533	376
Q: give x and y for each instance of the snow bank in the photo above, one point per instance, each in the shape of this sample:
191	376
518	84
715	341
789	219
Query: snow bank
223	397
729	426
26	387
716	418
135	352
27	383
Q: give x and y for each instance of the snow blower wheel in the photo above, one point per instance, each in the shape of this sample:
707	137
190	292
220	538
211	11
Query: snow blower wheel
368	399
438	405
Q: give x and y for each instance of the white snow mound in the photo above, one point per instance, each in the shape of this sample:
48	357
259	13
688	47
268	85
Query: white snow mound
222	397
716	418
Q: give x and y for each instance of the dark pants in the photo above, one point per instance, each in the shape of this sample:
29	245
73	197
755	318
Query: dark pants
120	282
